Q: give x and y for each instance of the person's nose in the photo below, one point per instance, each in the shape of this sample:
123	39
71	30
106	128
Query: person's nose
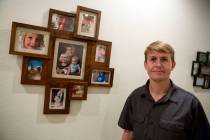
33	42
158	62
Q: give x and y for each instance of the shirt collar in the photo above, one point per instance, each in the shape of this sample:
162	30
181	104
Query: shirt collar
168	96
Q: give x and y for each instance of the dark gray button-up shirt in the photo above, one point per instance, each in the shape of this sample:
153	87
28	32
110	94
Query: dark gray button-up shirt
177	116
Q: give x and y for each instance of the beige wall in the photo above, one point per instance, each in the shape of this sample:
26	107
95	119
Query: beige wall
130	25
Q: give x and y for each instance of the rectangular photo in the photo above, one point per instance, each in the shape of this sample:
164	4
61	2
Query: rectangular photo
78	90
69	59
87	23
102	77
195	68
56	98
30	40
61	21
100	54
206	84
198	81
34	70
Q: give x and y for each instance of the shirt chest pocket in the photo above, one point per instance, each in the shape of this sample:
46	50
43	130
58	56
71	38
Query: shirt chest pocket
171	130
176	127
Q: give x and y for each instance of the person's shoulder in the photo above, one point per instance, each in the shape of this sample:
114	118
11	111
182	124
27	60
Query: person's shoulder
183	94
138	91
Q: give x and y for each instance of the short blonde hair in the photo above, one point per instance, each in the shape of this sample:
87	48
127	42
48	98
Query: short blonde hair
160	46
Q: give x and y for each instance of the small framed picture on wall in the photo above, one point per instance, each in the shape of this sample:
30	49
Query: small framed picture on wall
201	57
195	68
198	81
102	77
78	90
100	54
34	70
56	98
61	21
87	23
30	40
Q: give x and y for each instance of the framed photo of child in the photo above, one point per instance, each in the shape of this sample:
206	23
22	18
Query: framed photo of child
69	59
34	70
78	90
61	21
87	23
102	77
100	53
30	40
56	98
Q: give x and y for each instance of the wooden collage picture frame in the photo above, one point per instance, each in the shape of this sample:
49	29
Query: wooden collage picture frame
201	70
66	56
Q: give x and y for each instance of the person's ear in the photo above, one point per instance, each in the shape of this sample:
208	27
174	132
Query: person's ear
145	64
173	65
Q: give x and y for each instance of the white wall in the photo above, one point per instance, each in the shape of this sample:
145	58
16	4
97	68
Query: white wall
131	25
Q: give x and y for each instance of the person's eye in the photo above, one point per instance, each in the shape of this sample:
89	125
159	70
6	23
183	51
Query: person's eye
153	59
164	59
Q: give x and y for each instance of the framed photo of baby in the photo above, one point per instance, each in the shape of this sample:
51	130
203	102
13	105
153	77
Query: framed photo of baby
30	40
69	59
56	98
100	54
61	21
87	23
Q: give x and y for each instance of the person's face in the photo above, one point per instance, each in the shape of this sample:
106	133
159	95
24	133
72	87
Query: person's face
63	58
159	65
101	51
74	61
32	40
61	20
70	51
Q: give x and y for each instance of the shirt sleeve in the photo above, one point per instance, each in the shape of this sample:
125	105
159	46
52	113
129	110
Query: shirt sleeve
201	127
125	120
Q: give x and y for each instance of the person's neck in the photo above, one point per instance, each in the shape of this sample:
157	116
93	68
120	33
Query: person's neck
159	88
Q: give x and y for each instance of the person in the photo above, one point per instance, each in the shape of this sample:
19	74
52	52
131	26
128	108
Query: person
70	52
160	110
74	67
87	22
33	41
58	99
100	55
58	22
62	65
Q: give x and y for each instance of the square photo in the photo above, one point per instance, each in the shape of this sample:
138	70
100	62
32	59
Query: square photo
34	70
78	91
